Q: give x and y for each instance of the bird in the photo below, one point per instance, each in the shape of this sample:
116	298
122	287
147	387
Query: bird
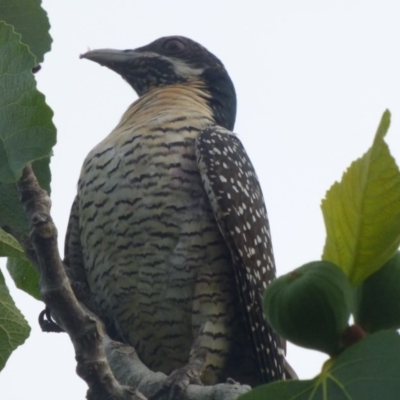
168	240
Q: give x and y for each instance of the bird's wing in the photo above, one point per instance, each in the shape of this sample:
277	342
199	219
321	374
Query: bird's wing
238	205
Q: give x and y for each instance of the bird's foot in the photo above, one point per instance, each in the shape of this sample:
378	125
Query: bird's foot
179	379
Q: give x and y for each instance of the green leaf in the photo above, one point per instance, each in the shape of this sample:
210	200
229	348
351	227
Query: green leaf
9	246
11	210
368	370
13	327
41	168
284	390
362	212
21	270
26	129
24	275
31	22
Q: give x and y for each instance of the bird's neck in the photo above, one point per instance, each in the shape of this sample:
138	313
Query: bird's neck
188	101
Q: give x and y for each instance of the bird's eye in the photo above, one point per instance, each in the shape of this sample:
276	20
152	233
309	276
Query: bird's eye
173	46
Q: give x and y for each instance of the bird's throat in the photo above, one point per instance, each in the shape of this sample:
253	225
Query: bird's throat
165	105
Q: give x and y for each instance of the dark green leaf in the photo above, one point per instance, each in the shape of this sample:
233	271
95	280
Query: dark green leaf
26	129
368	370
27	132
24	275
13	327
41	168
9	247
31	22
11	211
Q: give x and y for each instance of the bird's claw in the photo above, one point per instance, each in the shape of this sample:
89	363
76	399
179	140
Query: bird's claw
177	382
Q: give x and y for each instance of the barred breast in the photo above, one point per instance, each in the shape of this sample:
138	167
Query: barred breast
153	254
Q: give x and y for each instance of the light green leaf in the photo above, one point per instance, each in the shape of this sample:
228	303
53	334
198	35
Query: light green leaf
362	212
368	370
31	22
13	327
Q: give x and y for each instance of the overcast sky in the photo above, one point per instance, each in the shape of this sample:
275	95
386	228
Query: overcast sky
312	78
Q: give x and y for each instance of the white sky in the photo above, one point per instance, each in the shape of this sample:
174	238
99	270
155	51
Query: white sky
312	77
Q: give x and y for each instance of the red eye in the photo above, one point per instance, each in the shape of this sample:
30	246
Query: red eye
173	46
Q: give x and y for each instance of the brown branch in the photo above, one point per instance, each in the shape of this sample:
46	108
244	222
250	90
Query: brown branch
112	370
85	331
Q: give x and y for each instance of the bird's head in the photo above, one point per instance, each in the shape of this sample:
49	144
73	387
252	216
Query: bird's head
174	60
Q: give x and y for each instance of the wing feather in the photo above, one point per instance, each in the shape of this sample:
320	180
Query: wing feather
237	201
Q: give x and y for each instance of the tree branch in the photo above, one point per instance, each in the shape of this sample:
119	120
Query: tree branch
112	370
85	331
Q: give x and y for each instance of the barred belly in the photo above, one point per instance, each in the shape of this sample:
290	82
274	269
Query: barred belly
153	252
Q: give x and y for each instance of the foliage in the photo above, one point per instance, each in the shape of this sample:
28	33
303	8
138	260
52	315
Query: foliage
362	218
30	20
367	370
13	327
362	213
27	134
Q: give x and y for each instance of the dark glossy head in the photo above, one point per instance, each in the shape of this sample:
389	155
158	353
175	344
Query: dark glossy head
174	60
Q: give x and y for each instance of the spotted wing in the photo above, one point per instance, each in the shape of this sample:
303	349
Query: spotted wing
238	205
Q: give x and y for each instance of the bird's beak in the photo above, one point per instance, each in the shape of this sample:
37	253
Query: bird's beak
111	57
